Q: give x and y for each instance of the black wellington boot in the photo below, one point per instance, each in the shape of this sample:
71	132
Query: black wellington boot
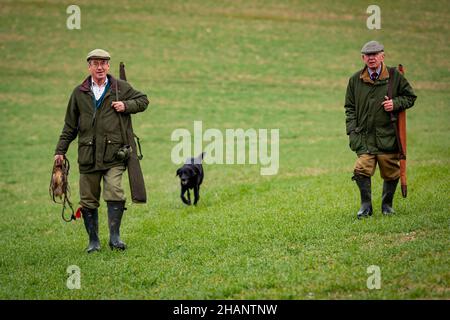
365	188
115	213
388	196
90	218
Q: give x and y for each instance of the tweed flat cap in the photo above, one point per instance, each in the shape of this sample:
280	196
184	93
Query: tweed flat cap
372	47
98	54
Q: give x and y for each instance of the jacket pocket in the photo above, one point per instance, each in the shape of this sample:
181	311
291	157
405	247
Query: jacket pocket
86	152
355	139
385	139
111	148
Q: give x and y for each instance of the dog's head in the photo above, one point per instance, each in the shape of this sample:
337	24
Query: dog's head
186	173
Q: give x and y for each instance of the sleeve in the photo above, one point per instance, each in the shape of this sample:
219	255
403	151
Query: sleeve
70	129
134	100
350	109
405	97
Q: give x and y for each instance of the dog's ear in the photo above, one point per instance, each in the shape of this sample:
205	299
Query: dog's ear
178	172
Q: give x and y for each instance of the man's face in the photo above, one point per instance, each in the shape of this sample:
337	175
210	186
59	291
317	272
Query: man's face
373	60
98	69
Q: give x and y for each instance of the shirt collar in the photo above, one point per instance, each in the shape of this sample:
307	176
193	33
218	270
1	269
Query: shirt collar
93	84
378	71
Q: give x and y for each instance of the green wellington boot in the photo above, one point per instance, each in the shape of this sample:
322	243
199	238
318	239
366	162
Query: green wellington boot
388	196
90	218
115	213
365	188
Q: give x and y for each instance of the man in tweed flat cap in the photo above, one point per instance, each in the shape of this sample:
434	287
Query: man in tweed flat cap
93	114
371	134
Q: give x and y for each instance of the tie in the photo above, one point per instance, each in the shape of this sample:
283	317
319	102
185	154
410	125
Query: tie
374	76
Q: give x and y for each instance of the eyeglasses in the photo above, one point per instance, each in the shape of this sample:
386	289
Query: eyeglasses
97	63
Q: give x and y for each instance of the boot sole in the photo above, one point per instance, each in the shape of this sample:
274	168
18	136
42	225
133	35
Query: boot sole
366	215
120	248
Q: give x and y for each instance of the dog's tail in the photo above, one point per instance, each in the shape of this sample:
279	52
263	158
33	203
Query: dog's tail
197	160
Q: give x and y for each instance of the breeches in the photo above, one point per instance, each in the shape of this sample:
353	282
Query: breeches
90	187
388	163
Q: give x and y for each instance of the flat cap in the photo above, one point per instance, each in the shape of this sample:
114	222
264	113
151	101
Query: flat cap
372	47
98	54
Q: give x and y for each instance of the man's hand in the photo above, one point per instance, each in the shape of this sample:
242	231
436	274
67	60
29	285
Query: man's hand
388	104
119	106
59	158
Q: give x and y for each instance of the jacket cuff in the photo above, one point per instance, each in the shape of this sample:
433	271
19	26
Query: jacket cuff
396	106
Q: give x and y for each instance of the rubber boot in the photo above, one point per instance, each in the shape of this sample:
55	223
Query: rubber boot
115	213
388	196
365	188
90	218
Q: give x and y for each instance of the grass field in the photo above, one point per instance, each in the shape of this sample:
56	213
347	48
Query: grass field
234	64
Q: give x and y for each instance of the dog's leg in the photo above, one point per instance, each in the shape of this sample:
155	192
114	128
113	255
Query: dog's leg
196	194
189	196
183	191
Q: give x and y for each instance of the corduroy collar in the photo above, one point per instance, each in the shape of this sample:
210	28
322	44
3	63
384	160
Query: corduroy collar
364	75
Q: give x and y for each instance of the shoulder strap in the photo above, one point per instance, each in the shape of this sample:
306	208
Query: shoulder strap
122	126
126	139
391	82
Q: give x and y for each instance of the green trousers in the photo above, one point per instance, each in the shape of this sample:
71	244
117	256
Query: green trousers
90	187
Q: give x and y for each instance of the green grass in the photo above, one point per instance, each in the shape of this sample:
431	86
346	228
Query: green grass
240	64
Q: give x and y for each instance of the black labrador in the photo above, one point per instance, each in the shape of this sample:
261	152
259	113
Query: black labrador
191	177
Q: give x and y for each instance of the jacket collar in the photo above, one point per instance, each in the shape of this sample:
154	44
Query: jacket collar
364	75
86	84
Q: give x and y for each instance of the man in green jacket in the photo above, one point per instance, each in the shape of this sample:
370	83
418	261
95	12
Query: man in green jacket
371	132
93	114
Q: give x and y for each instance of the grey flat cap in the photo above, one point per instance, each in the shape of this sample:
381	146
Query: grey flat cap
98	54
372	47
